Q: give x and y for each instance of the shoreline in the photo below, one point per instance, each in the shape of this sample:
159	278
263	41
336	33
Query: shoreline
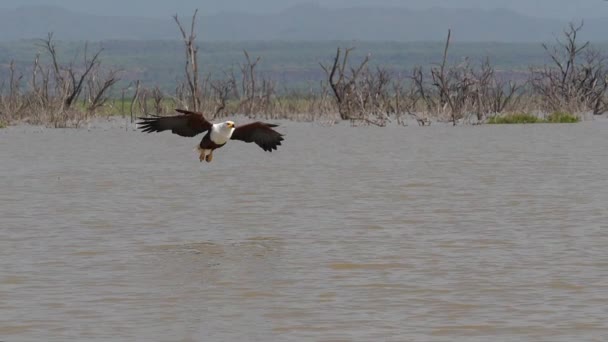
116	122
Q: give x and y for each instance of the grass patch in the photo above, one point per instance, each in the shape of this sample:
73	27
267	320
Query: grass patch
562	117
3	124
517	118
524	118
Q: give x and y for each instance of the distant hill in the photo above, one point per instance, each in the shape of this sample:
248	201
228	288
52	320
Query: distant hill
304	22
37	21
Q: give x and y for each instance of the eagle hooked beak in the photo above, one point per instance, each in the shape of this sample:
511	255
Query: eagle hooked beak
230	125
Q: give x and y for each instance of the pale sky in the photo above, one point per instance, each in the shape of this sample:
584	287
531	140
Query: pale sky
562	9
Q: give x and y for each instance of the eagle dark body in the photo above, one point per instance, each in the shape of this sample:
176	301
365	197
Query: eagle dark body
208	144
190	124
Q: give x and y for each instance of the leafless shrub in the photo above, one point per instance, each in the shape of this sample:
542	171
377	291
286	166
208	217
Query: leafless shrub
222	89
360	93
372	98
257	93
457	91
491	94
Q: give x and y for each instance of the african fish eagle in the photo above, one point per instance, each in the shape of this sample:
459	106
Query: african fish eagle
190	124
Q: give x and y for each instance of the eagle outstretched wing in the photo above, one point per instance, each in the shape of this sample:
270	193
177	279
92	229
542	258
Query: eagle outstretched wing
188	124
260	133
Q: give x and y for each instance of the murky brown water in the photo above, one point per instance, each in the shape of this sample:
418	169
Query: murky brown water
495	233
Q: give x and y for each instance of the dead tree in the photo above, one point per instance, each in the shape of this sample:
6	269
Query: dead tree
266	95
55	88
502	93
450	89
14	104
442	80
454	84
492	94
123	92
577	80
142	101
68	81
371	97
406	98
134	100
248	84
342	82
423	91
191	68
158	97
256	92
180	98
98	85
222	89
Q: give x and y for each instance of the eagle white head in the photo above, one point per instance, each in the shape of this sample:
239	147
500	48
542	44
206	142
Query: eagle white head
222	131
228	125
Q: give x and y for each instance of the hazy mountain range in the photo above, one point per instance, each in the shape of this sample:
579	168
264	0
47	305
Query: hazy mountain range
302	22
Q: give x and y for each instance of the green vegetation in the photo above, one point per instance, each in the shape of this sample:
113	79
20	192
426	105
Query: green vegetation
2	124
525	118
562	117
514	118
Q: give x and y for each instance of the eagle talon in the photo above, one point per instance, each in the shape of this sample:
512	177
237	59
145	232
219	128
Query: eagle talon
209	157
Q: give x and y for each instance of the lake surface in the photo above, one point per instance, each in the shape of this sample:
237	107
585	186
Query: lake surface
472	233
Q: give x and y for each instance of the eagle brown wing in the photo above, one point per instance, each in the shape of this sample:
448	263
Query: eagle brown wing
260	133
188	124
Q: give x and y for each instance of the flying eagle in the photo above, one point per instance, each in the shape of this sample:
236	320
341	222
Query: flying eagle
190	124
